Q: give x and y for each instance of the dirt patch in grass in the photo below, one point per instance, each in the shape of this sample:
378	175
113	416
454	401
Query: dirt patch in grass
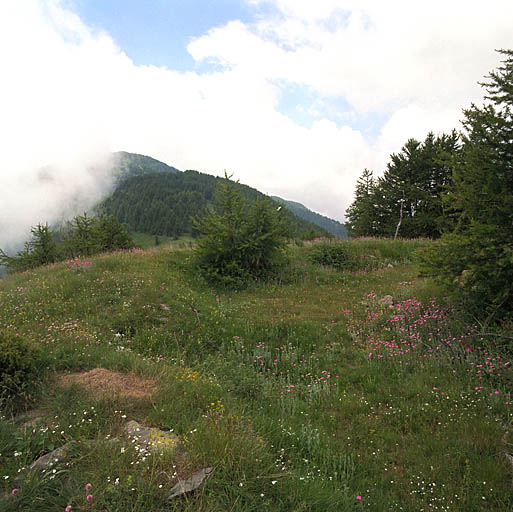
101	381
31	418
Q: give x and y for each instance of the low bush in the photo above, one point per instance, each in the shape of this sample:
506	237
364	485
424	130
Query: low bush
240	240
331	255
17	366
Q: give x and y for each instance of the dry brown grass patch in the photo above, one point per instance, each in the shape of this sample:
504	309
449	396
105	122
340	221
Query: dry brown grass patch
101	381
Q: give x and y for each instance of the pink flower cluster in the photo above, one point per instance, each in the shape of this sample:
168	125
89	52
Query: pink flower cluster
89	497
79	265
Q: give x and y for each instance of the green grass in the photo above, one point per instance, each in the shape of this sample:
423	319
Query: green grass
145	240
303	394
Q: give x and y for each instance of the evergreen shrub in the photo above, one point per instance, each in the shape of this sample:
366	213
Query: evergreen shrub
241	240
18	365
331	255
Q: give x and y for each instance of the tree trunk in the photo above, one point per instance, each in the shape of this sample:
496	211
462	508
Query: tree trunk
400	218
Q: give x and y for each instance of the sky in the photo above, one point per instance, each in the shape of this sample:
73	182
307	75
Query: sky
293	97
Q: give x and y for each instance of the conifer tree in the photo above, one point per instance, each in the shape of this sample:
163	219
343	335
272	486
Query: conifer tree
361	214
240	240
406	200
41	249
476	257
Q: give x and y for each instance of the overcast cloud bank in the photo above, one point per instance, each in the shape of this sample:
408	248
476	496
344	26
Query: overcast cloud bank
72	95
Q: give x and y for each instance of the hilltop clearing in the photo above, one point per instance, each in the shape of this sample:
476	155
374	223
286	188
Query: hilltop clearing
346	384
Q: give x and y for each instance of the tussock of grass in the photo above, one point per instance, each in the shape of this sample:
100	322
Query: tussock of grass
312	393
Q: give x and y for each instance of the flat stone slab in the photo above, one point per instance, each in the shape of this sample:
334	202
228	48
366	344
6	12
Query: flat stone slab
191	484
48	460
151	438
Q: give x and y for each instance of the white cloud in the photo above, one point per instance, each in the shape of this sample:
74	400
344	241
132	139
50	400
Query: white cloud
380	56
69	94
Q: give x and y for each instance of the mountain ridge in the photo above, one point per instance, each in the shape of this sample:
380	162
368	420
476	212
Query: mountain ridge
334	227
129	166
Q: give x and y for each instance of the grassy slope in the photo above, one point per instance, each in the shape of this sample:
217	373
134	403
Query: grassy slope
145	240
303	396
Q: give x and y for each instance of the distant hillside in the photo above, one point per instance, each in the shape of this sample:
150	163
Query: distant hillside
332	226
127	165
162	202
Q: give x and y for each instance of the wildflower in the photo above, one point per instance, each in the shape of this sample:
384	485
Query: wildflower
68	508
89	497
14	491
87	487
358	498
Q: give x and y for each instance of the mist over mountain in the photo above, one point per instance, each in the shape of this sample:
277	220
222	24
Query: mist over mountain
124	165
140	191
32	194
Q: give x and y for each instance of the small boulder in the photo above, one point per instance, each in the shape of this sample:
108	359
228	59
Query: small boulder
387	300
151	438
192	483
48	460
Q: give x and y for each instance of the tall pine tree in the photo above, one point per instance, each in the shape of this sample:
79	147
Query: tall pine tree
406	200
478	253
361	214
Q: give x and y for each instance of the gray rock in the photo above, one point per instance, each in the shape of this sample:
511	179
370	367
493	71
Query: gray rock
192	483
151	438
48	460
388	300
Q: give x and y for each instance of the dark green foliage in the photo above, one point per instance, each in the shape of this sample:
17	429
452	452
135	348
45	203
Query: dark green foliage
40	250
111	235
406	200
476	258
91	235
82	237
362	213
17	365
241	240
164	203
127	165
330	255
161	204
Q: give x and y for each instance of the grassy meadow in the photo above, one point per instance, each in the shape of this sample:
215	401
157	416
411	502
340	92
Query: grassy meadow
328	390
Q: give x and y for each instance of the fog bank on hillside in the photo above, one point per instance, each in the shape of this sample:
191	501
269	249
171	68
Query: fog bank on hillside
50	194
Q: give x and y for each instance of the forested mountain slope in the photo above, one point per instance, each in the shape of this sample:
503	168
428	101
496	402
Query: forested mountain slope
126	165
332	226
164	203
153	197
